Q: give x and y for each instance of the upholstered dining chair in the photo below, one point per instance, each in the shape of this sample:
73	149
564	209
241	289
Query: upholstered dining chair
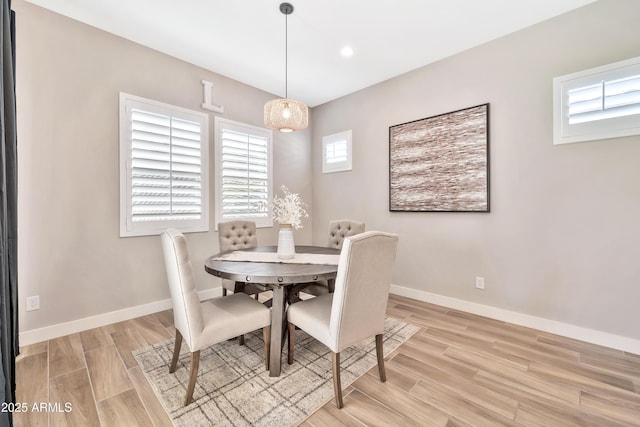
356	309
202	324
234	235
338	230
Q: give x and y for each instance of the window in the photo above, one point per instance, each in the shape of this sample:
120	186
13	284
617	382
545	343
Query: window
598	103
336	152
163	168
243	172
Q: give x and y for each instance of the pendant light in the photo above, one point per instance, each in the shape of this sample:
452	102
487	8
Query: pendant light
286	115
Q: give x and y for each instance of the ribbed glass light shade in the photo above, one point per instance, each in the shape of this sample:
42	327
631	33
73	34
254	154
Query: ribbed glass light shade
286	115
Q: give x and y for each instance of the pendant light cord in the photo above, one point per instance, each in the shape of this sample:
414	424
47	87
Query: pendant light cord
286	55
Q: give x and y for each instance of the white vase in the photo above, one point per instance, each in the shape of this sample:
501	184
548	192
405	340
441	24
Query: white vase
286	246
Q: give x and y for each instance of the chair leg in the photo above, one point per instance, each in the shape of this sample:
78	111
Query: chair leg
193	375
241	340
266	337
380	354
337	387
292	341
224	292
176	352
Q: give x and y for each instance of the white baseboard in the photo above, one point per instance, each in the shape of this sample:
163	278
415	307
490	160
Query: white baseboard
58	330
565	329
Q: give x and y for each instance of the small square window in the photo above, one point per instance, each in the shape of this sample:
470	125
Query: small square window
336	152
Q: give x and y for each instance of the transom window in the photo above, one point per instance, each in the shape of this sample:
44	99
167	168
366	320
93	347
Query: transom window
598	103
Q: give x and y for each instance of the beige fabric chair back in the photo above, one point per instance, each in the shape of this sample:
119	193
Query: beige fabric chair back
237	234
362	287
339	229
187	313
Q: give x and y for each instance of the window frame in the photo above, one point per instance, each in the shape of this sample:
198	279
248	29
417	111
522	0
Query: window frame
128	227
221	123
564	132
340	166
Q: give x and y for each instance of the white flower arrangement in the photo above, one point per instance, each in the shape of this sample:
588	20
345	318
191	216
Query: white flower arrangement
289	209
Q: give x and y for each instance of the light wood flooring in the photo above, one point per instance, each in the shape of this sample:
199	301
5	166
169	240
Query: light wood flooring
458	370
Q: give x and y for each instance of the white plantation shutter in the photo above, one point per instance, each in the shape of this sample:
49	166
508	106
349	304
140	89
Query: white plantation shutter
605	100
602	102
336	151
165	155
243	171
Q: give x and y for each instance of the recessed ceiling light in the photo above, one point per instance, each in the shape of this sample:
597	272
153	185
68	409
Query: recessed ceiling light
347	51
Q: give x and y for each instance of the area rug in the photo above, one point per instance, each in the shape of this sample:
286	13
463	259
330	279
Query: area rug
234	389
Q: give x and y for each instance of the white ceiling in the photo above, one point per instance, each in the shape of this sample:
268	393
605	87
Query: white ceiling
245	40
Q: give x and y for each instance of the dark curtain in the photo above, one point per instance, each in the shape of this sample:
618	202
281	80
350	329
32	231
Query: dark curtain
8	214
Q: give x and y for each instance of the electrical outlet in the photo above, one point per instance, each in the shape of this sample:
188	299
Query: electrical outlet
33	303
479	282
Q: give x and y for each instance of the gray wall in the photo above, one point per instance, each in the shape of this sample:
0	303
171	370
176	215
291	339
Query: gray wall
561	241
70	253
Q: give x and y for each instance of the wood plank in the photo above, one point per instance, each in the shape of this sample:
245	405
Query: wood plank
535	353
400	401
475	319
465	388
398	312
124	409
28	350
453	404
399	378
617	409
73	388
127	340
108	373
441	360
435	321
463	339
95	338
622	366
525	388
165	317
537	414
156	412
65	355
370	412
152	331
502	334
32	388
428	343
481	359
581	376
330	416
418	305
577	345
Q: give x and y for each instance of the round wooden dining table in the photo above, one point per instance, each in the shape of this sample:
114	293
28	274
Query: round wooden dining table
280	276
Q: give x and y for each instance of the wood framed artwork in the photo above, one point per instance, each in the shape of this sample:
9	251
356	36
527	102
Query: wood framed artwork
441	163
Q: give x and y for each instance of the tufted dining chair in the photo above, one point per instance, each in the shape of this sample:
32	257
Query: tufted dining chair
356	309
202	324
341	228
338	230
234	235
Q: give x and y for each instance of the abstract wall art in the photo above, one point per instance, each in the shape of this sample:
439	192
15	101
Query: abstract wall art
441	163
